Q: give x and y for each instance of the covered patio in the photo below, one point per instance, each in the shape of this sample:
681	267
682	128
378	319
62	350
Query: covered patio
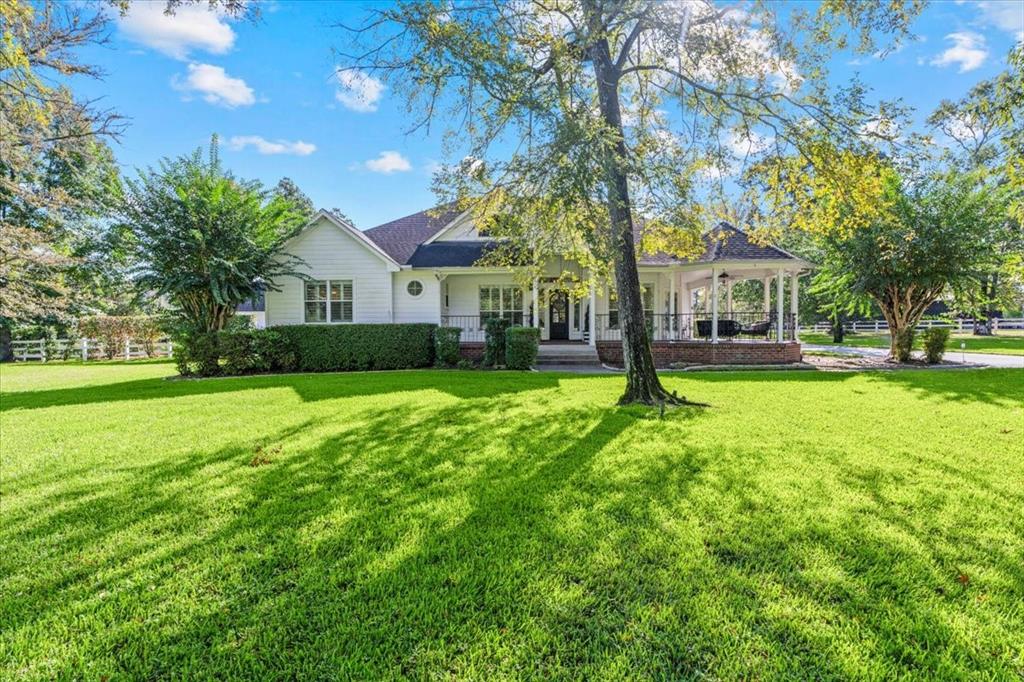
687	303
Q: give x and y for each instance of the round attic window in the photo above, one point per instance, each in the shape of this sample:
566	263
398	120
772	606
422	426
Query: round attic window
415	288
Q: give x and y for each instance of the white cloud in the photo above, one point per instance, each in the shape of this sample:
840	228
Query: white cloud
1005	15
358	90
264	146
388	162
968	50
215	85
190	27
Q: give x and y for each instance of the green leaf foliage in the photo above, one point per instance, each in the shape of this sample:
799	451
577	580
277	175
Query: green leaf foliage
521	347
206	240
446	345
339	348
494	341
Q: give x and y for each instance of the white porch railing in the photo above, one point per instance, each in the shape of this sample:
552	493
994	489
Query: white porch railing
879	326
85	349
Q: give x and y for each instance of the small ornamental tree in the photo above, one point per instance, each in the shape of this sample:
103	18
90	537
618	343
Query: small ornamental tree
206	240
932	240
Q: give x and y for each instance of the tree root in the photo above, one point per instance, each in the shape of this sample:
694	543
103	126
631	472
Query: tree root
658	397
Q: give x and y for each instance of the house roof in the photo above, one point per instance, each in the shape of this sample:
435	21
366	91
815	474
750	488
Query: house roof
723	243
400	238
449	254
403	240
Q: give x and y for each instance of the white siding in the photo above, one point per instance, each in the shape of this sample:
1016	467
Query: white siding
423	308
331	254
464	292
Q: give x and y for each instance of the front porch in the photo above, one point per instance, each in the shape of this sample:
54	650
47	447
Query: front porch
691	313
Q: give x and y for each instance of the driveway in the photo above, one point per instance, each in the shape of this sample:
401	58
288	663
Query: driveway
987	359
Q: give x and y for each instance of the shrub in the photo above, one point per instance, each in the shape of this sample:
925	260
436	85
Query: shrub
244	351
494	341
446	345
147	330
110	330
333	348
198	353
521	347
113	331
465	363
934	340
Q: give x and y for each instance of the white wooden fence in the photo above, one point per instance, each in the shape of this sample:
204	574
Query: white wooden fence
85	349
879	326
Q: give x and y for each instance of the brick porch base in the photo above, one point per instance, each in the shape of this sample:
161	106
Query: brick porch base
471	351
704	353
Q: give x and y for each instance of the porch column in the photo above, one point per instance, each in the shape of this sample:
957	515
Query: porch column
767	281
593	315
794	301
672	306
714	306
728	297
536	304
707	297
779	294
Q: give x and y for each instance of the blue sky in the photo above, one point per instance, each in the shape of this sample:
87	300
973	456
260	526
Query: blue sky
269	90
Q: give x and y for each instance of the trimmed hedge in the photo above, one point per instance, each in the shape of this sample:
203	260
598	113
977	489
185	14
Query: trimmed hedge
347	347
245	351
494	341
446	345
521	347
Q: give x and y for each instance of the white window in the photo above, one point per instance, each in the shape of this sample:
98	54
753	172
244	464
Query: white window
501	301
328	301
415	288
646	296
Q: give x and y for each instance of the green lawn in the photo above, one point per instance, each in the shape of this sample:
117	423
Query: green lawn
1009	342
502	525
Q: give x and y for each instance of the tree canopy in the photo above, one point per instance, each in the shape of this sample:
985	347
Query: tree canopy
206	240
574	119
935	237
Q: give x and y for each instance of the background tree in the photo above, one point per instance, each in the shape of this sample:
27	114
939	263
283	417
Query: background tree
560	113
931	240
206	240
52	158
987	129
288	190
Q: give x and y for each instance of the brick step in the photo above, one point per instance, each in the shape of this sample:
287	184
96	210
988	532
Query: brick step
568	361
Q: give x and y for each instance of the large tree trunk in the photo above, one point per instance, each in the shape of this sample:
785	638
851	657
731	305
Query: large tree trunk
642	383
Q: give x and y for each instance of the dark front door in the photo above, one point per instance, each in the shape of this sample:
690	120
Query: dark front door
559	314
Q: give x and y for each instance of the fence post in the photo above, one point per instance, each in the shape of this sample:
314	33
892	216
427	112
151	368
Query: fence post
170	346
85	349
995	324
127	349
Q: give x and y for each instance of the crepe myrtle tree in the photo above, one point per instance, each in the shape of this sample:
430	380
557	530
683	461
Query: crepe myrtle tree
206	240
934	239
581	124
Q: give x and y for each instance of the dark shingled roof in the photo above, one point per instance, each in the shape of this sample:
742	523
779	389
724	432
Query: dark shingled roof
403	239
399	238
724	243
449	254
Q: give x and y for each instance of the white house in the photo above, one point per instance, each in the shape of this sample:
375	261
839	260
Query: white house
423	268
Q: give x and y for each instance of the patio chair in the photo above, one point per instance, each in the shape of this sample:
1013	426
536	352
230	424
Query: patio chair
726	328
762	328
